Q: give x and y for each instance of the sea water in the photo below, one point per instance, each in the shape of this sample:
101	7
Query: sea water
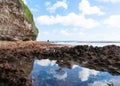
97	43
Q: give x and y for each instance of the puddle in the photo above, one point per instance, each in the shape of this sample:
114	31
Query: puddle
48	73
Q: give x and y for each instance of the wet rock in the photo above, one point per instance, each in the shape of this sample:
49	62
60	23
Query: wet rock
10	76
16	61
99	58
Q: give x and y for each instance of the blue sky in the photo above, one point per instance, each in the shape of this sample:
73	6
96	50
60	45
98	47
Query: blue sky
79	20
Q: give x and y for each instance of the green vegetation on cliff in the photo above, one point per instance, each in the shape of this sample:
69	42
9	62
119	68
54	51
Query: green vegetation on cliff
29	17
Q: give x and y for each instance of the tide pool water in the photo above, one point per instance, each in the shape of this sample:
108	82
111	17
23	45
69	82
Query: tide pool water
48	73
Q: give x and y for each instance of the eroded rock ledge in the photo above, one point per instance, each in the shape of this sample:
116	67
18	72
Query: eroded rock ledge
16	59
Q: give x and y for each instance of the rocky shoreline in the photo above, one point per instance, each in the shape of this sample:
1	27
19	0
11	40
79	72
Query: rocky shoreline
16	59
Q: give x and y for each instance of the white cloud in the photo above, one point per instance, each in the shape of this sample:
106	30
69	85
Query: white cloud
85	73
74	66
48	3
80	34
108	35
115	82
46	32
58	4
64	32
87	9
61	76
98	83
112	1
113	21
71	19
25	1
45	62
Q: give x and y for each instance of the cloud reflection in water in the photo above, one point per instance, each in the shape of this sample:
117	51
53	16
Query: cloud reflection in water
47	73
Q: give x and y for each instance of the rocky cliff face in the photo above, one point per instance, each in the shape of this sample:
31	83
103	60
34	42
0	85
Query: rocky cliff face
16	21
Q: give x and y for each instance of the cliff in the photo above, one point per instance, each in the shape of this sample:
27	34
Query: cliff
16	21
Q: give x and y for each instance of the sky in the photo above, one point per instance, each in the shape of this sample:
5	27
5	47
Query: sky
76	20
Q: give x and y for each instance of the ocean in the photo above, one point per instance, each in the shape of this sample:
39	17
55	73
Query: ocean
89	43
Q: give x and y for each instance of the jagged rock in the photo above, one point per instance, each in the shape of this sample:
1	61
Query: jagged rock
16	21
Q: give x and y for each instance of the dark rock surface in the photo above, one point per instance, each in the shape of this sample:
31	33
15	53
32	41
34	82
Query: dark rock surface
10	76
105	58
16	59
